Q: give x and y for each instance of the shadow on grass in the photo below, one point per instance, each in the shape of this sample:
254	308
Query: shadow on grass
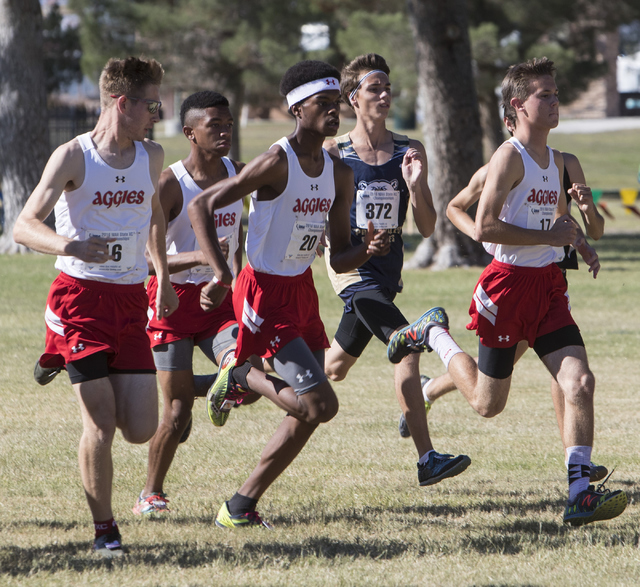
507	535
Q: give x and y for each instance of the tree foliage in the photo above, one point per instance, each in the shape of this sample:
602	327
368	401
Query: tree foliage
61	51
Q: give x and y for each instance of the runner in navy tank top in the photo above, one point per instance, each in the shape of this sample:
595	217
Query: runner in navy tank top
390	172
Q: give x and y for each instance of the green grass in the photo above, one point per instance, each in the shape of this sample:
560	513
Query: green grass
348	511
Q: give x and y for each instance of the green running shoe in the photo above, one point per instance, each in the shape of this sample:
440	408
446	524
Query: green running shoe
595	505
224	394
413	338
225	520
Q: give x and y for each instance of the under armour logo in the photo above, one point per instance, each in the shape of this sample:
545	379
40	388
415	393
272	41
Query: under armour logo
119	178
157	336
78	348
300	377
503	338
545	178
314	187
330	82
275	341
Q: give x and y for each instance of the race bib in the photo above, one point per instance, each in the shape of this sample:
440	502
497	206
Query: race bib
378	206
540	217
304	240
123	250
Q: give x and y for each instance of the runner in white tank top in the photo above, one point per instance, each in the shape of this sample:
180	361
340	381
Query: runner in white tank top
301	209
207	124
513	302
296	186
103	186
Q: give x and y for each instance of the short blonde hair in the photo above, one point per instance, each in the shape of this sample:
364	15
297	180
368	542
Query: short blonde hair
128	77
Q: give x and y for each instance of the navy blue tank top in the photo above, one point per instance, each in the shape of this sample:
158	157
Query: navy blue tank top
387	179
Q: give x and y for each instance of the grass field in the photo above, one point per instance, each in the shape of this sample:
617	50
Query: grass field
610	160
348	511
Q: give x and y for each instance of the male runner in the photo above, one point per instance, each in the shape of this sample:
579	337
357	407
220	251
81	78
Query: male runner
207	124
521	295
103	185
390	172
296	186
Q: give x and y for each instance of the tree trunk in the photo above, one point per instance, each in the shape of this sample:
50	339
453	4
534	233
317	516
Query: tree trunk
611	50
452	132
24	132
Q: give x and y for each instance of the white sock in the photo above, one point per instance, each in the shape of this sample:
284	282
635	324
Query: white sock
578	469
425	457
442	343
424	391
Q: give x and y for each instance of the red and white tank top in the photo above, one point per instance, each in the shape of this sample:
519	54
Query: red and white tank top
180	235
531	204
283	233
110	203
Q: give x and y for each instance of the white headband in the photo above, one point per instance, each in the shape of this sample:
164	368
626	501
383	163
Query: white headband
309	89
364	77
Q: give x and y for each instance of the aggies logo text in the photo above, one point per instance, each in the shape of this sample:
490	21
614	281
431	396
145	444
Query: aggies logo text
312	205
225	219
110	198
543	197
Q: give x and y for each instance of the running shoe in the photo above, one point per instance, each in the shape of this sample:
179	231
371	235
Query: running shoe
440	467
402	424
594	505
108	545
187	431
413	338
154	503
225	520
597	472
45	375
224	394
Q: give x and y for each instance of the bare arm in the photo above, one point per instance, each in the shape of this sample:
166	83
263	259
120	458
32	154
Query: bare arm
415	173
582	196
64	171
171	200
457	208
166	298
343	256
505	171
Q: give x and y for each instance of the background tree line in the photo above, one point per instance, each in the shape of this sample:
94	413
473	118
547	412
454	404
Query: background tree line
448	55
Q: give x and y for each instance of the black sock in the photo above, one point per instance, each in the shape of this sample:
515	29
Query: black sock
239	374
241	504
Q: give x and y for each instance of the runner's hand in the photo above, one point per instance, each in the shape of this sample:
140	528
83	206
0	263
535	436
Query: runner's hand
166	300
92	250
563	232
377	241
212	295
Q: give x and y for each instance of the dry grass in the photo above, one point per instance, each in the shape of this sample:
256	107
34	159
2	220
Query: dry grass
348	511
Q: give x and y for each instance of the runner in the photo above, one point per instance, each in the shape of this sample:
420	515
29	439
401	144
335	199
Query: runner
103	185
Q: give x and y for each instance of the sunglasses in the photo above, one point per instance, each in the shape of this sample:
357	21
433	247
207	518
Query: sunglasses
152	105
